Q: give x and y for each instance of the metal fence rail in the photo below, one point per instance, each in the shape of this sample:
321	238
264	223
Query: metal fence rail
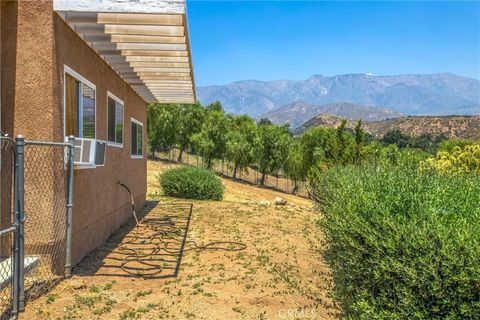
37	177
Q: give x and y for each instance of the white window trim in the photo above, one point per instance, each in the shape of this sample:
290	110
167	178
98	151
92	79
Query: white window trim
79	77
143	147
136	121
115	144
120	101
85	166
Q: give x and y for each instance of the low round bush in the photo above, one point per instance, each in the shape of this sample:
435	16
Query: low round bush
191	183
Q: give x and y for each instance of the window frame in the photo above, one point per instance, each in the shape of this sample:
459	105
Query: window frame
119	101
78	77
138	123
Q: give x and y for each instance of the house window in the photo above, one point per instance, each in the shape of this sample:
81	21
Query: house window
115	120
79	107
136	139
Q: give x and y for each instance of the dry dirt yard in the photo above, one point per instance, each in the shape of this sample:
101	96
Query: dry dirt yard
278	275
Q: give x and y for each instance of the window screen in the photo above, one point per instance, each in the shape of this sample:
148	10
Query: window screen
88	106
136	139
80	108
115	121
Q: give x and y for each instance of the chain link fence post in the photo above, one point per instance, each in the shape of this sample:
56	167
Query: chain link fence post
68	232
15	247
20	218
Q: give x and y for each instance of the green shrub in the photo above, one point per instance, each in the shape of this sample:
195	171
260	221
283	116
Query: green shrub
459	160
402	244
191	183
449	145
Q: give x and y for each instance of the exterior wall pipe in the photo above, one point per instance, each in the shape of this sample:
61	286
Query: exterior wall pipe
68	251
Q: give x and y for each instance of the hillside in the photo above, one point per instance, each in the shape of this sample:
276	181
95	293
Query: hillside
298	112
422	94
464	127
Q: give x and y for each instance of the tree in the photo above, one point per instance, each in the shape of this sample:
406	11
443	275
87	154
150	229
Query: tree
211	139
264	121
341	140
319	146
294	167
359	141
162	126
396	137
190	119
215	106
240	142
272	148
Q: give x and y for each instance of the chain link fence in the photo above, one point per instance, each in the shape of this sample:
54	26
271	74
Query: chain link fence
35	219
250	175
46	189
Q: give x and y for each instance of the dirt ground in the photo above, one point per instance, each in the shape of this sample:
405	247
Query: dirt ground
264	262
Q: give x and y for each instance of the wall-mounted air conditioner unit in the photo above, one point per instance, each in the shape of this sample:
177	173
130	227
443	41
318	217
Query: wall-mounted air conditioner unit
89	152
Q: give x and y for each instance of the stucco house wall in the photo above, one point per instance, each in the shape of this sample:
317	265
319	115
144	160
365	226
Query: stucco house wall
100	204
39	44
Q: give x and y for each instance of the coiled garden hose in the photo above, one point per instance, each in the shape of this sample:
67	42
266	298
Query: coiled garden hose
157	234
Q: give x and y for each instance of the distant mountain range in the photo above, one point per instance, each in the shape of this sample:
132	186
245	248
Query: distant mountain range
464	127
297	113
422	94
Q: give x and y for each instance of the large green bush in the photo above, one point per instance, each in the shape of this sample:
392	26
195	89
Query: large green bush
191	183
402	244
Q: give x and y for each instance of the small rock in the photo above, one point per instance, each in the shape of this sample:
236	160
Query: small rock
78	284
264	203
280	201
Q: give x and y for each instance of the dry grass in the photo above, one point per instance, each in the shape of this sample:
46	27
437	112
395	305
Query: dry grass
280	275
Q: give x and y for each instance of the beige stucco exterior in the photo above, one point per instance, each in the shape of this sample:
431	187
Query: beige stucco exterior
36	45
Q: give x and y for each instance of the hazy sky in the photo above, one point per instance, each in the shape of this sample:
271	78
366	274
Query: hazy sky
294	40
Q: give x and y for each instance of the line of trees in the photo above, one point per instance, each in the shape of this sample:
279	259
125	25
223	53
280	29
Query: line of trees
212	133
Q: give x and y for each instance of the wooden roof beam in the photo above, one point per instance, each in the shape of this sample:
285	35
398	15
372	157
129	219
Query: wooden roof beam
124	18
149	53
95	28
138	46
127	38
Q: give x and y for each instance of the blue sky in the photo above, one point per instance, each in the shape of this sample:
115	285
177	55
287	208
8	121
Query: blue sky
293	40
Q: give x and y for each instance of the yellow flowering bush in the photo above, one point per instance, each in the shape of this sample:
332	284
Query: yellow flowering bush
459	160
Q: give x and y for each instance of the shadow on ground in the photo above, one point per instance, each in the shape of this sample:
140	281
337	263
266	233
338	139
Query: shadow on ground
151	249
